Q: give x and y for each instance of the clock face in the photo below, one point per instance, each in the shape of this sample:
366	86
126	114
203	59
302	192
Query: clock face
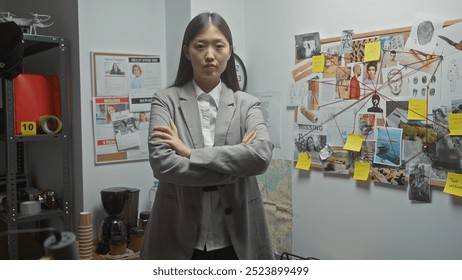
241	72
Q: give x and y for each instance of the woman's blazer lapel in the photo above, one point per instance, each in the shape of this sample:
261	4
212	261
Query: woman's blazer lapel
190	110
225	114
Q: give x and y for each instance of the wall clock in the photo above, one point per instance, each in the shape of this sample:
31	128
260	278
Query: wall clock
241	72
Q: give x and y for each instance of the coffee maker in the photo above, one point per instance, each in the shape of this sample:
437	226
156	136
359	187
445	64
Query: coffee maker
121	204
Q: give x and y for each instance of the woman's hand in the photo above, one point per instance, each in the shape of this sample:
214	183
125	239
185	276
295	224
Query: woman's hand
249	137
169	135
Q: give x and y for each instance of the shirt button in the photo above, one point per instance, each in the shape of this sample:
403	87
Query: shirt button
228	211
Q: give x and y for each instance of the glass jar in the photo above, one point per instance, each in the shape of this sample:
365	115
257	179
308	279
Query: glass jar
143	220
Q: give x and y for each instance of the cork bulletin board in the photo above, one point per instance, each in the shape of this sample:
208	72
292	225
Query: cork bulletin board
392	92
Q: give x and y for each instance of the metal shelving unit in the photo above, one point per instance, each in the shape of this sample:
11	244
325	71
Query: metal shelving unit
16	153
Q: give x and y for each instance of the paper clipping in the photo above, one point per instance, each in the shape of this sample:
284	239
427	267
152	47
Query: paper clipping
120	135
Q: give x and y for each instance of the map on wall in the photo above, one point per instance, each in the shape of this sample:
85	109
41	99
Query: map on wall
276	189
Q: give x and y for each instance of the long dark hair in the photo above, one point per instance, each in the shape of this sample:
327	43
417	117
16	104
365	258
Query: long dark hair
195	26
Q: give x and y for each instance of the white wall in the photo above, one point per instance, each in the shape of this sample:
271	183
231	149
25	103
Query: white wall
118	26
178	15
334	217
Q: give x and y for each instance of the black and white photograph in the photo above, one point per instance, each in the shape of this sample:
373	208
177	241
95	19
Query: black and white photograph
444	150
419	182
396	113
309	139
307	45
125	130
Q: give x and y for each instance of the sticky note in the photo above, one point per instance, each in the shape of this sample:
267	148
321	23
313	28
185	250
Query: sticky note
304	161
28	128
453	184
372	51
318	63
417	110
455	124
362	170
353	142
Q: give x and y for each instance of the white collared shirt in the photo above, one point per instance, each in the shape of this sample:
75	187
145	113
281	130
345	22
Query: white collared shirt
212	230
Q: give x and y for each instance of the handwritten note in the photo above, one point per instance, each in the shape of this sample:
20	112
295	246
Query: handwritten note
354	142
304	161
362	170
372	51
453	184
318	63
417	110
455	124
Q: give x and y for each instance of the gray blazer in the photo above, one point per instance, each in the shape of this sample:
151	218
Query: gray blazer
232	166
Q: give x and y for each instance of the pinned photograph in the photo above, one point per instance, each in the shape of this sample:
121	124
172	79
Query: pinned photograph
307	45
338	163
445	151
388	146
367	152
125	130
325	152
419	182
423	34
392	49
366	125
309	139
358	52
388	174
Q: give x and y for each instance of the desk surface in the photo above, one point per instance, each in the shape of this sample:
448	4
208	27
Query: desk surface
129	255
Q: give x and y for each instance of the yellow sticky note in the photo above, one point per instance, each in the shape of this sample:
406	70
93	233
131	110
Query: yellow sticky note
455	124
354	142
453	184
362	170
318	63
417	110
28	128
304	161
372	51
